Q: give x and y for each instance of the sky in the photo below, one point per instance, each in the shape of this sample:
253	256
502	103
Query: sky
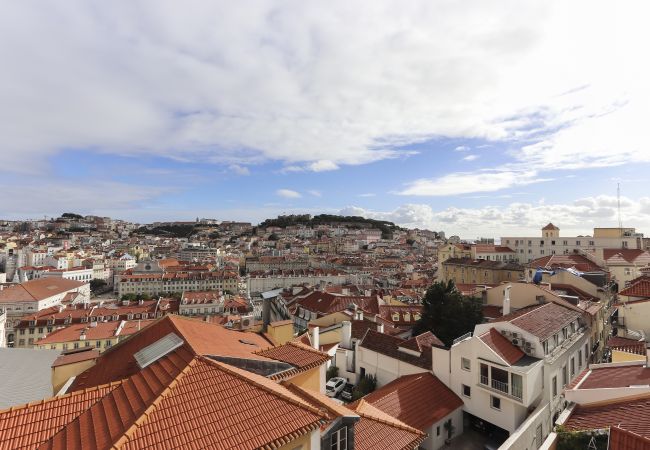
476	118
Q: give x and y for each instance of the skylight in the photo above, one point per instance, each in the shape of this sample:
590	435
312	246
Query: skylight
157	350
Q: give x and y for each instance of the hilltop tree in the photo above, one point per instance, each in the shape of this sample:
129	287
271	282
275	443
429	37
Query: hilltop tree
447	314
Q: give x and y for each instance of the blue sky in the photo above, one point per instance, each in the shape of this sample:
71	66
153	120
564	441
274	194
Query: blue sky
475	119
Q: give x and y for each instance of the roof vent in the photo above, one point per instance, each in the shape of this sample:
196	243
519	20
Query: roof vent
157	350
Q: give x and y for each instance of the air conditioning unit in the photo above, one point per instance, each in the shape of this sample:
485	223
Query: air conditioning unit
246	322
515	335
515	342
504	332
528	347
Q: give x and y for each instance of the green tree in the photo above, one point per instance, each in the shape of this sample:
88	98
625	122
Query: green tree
447	314
365	386
96	284
332	372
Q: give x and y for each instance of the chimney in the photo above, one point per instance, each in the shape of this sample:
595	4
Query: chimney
506	300
380	327
358	314
346	338
315	338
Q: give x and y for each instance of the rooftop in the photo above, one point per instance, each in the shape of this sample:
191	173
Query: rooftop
418	400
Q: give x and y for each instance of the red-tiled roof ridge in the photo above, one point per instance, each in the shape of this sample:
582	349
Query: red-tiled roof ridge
550	226
367	410
581	376
620	439
316	398
59	397
502	346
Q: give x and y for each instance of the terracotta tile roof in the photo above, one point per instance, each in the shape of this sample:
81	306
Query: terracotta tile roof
402	315
418	400
389	346
628	415
502	346
359	328
379	431
626	440
422	342
627	345
300	356
616	377
492	311
200	338
29	425
100	331
227	408
72	357
580	262
641	288
550	226
38	289
577	379
629	255
326	303
542	321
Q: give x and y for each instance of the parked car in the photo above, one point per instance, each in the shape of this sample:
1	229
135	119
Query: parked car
346	393
334	386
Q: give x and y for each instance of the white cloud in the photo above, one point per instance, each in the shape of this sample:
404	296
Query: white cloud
518	219
468	182
315	193
288	193
322	165
321	87
462	148
367	194
470	158
239	170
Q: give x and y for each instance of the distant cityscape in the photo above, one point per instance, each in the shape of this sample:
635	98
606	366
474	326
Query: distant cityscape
325	322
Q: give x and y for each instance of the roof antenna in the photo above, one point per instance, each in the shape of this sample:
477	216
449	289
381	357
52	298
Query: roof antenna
620	222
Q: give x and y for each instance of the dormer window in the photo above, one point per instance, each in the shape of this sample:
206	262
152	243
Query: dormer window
32	323
573	327
395	317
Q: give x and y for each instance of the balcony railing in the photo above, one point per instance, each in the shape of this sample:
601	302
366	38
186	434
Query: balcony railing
500	386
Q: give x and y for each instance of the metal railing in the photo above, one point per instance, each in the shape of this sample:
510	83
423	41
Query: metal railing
517	391
500	386
484	380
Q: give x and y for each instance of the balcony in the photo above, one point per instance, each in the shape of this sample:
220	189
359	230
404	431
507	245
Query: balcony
496	383
500	386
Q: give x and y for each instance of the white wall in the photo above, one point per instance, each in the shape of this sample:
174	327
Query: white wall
386	369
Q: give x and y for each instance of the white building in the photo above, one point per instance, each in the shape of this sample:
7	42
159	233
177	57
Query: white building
35	295
551	243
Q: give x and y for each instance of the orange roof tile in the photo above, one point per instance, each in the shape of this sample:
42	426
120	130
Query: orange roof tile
418	400
502	346
219	406
629	415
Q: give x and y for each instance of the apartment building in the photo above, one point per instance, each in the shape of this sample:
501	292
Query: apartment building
471	271
166	283
36	295
510	372
550	242
98	335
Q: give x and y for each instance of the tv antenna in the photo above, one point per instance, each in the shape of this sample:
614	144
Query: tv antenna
618	196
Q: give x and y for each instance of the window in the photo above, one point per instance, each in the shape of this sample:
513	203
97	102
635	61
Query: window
564	376
552	242
98	344
31	331
76	345
554	386
22	331
467	391
545	345
579	358
30	341
21	341
340	439
40	330
541	243
495	402
465	364
573	367
577	242
438	430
